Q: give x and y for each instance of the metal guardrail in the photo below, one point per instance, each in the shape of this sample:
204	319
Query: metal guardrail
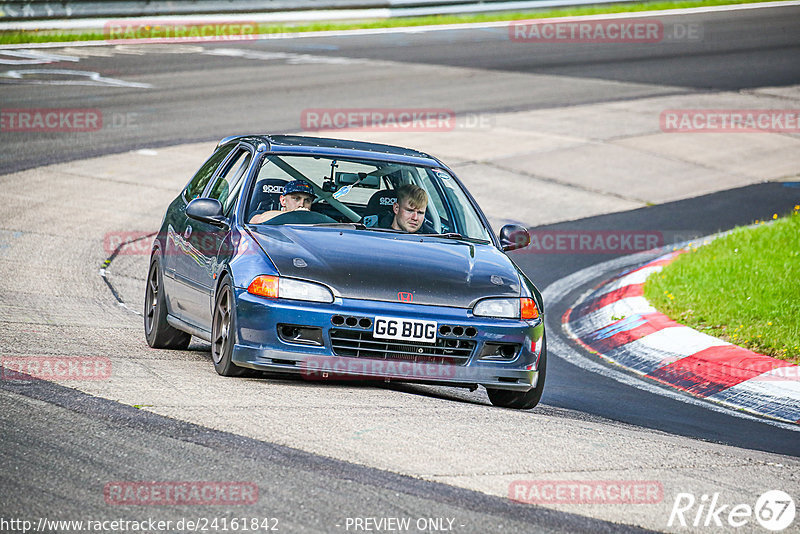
75	9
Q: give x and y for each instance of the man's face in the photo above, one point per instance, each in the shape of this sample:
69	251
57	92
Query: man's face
408	218
296	201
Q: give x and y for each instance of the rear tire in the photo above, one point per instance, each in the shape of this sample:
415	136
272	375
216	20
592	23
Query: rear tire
223	332
158	332
522	400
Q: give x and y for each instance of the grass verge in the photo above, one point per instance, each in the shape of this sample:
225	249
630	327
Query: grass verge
743	287
45	36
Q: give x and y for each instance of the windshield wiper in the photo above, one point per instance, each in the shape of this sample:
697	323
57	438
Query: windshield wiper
362	226
354	225
456	235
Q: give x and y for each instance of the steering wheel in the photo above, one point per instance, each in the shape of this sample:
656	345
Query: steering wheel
300	217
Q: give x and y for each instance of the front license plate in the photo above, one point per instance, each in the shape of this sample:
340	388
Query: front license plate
405	329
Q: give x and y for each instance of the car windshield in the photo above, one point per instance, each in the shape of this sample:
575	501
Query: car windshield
364	192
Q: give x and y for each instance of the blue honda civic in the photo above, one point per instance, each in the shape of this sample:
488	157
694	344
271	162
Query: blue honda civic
340	260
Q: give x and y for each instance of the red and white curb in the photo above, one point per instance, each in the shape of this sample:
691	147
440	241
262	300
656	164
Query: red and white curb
618	324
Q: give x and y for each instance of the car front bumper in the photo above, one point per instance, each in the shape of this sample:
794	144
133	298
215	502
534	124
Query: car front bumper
261	346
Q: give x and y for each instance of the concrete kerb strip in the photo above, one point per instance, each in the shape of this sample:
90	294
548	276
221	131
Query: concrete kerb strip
618	324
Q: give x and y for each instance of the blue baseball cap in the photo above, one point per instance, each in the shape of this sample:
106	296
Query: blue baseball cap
299	186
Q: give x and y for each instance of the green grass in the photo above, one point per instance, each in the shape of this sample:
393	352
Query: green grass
43	36
743	287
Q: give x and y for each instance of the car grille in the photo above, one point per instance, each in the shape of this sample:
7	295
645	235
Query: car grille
361	344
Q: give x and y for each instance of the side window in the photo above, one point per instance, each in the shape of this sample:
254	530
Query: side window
438	212
466	220
201	178
229	181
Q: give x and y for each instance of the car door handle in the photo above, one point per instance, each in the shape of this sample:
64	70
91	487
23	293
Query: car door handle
187	232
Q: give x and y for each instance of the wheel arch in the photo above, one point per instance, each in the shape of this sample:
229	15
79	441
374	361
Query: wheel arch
225	272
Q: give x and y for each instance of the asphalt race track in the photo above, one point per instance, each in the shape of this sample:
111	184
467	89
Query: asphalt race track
265	91
324	454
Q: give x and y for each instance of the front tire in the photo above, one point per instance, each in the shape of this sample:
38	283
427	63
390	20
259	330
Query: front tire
522	400
159	333
223	331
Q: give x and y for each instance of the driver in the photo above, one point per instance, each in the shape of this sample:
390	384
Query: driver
409	210
297	195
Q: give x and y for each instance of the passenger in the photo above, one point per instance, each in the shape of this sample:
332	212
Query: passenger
409	210
297	195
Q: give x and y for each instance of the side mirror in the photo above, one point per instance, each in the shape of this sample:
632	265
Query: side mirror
207	210
514	236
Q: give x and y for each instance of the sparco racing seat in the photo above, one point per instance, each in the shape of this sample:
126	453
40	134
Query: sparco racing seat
379	209
266	196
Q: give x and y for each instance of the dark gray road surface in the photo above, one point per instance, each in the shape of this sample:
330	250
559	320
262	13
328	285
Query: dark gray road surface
201	96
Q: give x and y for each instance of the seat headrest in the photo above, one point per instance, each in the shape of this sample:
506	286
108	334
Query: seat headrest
267	195
381	202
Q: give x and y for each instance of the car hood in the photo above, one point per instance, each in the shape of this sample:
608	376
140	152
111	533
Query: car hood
363	264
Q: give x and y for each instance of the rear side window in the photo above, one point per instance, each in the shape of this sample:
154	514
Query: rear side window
201	178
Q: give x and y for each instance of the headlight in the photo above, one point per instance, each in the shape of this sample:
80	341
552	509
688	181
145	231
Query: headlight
519	308
274	287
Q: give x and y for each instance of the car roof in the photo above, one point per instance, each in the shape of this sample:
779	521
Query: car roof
298	144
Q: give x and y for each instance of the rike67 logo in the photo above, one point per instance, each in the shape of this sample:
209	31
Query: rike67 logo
774	510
